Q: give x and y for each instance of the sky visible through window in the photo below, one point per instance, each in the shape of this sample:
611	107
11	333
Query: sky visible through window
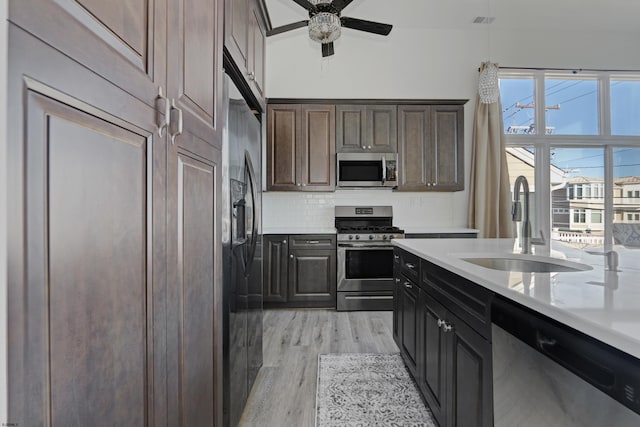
572	109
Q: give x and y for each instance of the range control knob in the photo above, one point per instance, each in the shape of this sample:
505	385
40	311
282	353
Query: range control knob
384	237
370	236
357	237
350	237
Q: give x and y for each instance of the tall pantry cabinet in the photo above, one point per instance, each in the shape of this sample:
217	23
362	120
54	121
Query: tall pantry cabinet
114	144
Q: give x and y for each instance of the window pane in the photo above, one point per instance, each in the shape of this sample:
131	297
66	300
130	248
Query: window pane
625	107
626	206
571	106
518	111
577	204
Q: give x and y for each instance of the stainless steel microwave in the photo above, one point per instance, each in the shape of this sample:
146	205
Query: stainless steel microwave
367	169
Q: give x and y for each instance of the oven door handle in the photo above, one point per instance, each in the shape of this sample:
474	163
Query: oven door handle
365	245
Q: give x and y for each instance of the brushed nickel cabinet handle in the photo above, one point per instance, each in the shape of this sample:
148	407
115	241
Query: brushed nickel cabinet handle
313	242
163	112
175	123
411	266
408	285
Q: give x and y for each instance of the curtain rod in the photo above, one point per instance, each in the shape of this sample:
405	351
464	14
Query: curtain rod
575	70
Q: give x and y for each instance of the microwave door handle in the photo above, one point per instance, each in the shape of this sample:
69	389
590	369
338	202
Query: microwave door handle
384	170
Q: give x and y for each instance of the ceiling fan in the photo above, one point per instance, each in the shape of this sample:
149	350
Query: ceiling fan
325	23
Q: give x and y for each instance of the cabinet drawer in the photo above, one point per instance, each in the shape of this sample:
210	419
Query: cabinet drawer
312	241
409	265
468	301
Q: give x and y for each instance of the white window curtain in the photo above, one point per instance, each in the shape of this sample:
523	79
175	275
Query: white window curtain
489	192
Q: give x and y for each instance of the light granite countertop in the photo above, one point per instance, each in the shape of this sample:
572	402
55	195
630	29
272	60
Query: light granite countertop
600	303
428	230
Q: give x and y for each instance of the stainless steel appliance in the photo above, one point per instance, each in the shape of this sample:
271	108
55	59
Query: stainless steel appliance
365	257
241	252
367	169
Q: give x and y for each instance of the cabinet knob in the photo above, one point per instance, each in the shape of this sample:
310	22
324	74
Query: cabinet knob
251	76
298	184
396	257
441	322
408	285
428	184
284	242
411	266
304	185
291	256
447	328
397	280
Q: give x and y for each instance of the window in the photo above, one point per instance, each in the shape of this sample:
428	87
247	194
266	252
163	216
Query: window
637	217
625	106
629	217
579	216
590	147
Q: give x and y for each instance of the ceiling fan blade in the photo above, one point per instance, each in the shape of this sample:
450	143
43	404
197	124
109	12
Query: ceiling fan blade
287	27
327	49
306	4
368	26
340	4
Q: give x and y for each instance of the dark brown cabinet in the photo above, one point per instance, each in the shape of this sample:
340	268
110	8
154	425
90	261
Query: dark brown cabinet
301	147
366	128
447	345
431	147
124	219
299	270
245	40
275	267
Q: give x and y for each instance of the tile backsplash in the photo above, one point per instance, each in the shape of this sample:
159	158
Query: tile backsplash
410	209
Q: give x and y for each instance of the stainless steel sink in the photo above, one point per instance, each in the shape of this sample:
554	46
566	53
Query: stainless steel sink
526	263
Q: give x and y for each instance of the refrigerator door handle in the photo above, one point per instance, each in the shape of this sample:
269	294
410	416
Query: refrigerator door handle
254	223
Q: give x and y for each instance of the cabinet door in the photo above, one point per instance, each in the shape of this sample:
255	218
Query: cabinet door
257	40
194	288
318	148
276	265
237	31
86	282
470	383
312	277
414	148
397	309
351	128
122	41
447	167
382	128
194	64
283	153
410	319
432	356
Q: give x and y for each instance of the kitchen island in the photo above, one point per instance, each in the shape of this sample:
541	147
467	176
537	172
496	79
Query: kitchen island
450	311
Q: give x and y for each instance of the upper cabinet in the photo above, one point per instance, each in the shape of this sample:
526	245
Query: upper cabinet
123	41
194	79
245	39
301	147
366	128
431	147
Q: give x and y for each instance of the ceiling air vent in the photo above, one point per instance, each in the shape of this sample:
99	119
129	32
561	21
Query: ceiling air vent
484	19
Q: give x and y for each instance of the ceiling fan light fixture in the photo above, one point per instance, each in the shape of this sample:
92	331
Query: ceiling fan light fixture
324	27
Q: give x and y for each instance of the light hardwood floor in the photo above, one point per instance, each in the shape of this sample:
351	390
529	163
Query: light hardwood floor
285	391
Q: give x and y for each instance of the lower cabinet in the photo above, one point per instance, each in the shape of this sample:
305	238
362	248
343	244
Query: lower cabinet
299	270
450	359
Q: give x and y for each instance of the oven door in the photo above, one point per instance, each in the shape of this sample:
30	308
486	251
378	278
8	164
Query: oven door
365	267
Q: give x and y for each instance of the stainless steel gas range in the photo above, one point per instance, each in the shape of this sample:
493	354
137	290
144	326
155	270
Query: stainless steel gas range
365	257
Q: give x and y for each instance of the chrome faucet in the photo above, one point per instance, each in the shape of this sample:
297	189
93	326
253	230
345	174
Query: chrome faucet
516	214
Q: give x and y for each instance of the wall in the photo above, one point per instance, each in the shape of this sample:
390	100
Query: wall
3	213
424	64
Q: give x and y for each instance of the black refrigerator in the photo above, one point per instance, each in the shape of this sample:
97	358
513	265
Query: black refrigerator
242	251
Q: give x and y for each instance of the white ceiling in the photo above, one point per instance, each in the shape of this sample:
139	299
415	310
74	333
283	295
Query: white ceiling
554	15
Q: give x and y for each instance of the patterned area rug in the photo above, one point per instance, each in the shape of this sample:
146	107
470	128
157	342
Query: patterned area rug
357	390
